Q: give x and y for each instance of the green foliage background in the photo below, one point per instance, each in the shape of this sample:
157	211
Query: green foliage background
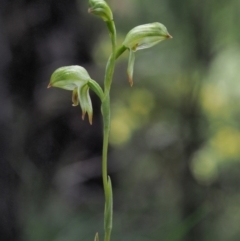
175	138
176	131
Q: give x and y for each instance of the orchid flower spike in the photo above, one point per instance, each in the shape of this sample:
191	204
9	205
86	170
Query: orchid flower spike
74	78
142	37
101	9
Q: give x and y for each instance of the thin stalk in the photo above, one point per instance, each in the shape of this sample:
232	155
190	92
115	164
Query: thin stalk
106	129
111	61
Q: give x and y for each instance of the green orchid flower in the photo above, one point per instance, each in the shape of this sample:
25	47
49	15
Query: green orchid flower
76	79
142	37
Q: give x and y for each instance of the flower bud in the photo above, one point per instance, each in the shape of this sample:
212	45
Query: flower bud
74	78
101	9
142	37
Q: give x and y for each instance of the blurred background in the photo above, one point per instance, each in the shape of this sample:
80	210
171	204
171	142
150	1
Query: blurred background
174	155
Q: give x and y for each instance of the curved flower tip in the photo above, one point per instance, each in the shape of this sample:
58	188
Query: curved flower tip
74	78
130	66
90	116
130	79
100	8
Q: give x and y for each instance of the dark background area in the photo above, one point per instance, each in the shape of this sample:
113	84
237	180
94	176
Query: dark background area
175	140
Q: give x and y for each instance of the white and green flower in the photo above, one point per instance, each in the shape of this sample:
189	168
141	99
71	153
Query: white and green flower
74	78
142	37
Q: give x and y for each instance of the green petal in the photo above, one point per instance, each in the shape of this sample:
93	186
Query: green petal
145	36
75	97
130	66
69	77
96	88
85	102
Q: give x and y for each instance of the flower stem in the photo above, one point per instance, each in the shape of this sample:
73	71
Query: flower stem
106	129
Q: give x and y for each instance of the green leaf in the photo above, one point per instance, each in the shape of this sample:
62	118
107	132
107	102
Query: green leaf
108	207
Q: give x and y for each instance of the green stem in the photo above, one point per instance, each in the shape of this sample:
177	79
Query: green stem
119	51
106	125
111	61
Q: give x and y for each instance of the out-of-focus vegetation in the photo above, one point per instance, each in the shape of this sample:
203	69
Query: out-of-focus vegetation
175	140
